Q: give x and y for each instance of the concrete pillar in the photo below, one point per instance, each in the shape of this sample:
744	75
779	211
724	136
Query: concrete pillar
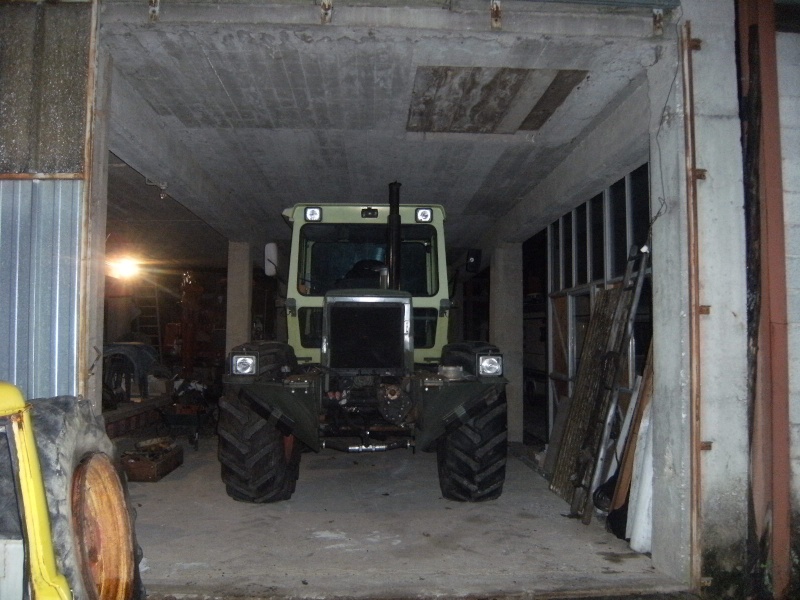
724	466
671	536
240	295
715	547
505	326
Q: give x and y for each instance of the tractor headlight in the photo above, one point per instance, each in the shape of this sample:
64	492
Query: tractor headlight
490	366
313	213
423	215
243	364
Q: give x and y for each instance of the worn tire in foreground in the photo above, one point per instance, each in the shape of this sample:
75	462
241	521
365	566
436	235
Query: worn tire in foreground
472	458
91	519
260	463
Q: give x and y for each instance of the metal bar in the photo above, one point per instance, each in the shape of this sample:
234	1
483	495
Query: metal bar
775	301
86	297
552	401
695	393
41	176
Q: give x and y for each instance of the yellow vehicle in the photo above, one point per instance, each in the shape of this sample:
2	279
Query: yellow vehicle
65	528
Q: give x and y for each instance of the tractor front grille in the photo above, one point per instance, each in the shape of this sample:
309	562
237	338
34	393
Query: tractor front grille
366	336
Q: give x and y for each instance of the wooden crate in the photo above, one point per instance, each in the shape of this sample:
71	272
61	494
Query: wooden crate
141	466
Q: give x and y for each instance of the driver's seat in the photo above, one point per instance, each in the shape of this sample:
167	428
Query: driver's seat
365	274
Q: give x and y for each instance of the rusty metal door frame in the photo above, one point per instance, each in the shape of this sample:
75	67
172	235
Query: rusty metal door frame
772	386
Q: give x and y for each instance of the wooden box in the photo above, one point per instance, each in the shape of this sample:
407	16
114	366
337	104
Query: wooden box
149	467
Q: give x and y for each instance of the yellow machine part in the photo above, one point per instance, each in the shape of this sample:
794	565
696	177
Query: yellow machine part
46	582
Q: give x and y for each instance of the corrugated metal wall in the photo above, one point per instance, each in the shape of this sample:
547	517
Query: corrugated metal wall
40	229
44	80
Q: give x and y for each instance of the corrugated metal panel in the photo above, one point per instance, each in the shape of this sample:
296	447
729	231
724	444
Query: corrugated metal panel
40	229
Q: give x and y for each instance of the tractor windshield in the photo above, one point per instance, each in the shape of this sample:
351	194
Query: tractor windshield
350	256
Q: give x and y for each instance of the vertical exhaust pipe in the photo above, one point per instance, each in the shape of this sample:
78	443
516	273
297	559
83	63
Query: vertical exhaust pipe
393	253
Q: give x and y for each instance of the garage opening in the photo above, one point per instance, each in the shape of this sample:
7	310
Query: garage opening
379	525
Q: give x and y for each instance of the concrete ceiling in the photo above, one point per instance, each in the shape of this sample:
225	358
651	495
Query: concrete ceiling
236	110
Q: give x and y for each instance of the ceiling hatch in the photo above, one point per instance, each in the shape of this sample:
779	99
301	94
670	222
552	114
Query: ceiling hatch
487	100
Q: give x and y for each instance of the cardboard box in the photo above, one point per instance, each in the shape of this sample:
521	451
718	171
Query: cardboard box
140	466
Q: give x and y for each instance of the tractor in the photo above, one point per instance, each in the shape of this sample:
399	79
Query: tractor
367	366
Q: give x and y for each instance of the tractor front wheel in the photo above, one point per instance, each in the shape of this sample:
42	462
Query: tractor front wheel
260	463
472	458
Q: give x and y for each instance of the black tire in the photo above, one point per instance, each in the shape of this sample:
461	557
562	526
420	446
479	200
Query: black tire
259	462
472	458
86	489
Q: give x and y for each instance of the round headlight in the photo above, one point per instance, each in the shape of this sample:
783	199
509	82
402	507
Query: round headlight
491	365
244	365
423	215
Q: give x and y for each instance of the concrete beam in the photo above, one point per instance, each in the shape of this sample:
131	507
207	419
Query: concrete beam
470	15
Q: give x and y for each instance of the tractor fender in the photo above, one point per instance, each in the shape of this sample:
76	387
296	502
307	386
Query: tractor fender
293	403
445	407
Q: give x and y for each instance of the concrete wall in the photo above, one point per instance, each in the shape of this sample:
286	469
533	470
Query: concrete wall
788	46
721	420
724	469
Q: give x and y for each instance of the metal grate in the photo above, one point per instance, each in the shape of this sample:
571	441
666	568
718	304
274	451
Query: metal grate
366	335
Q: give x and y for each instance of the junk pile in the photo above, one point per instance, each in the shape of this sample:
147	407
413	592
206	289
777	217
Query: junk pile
152	459
598	453
193	409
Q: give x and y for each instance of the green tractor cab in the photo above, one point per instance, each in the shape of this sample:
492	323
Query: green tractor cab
367	366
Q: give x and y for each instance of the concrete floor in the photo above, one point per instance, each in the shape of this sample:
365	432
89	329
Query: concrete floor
375	526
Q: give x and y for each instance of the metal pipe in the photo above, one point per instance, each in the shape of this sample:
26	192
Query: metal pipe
393	249
687	47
